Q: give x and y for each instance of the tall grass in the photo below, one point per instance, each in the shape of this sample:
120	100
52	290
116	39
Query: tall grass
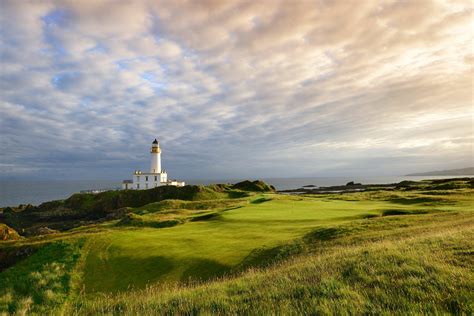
41	282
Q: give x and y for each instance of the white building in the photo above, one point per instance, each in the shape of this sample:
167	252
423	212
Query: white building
156	177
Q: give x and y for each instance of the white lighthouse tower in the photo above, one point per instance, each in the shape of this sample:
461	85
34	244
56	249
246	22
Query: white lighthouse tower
155	157
156	177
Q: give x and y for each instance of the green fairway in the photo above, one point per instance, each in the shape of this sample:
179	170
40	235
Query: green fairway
213	247
408	265
208	248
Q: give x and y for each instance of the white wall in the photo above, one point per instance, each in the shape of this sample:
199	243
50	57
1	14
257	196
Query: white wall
149	180
155	163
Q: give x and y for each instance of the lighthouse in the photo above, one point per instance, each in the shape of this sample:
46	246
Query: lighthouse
155	157
156	177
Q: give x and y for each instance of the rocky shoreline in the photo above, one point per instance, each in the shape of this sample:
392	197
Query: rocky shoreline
351	187
338	188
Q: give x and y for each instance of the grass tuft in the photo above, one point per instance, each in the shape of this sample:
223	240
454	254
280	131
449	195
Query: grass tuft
40	282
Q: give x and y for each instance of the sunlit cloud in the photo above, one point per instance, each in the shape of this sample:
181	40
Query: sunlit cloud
235	88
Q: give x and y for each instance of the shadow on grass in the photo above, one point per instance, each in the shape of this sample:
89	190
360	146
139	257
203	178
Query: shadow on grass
124	273
212	216
263	257
204	270
237	194
403	212
260	200
324	234
418	200
134	220
205	217
330	233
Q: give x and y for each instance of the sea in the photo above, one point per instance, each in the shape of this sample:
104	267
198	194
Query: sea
35	192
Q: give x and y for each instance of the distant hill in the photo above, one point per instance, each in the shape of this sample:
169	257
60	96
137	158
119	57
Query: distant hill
452	172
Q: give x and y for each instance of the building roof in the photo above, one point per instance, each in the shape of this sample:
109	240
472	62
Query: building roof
155	141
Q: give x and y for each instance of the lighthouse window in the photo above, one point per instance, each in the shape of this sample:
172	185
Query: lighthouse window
146	178
138	185
138	178
156	178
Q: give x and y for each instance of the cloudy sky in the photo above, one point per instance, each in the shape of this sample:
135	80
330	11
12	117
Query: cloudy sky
235	88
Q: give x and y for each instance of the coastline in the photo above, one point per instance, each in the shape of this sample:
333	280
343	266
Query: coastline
16	192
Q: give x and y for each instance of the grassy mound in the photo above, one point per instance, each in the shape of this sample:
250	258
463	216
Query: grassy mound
170	205
111	200
81	209
140	221
255	186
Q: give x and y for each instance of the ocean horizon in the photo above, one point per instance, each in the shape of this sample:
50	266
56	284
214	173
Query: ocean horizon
35	192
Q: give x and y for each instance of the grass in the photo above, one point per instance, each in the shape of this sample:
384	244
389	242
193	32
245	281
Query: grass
89	208
404	251
185	249
418	264
42	281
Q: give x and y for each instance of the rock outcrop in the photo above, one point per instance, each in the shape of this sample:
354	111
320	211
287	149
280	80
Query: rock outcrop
8	233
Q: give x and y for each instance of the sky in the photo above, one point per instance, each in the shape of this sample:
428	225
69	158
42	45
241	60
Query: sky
235	89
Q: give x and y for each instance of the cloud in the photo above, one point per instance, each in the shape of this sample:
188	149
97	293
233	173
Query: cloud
235	88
